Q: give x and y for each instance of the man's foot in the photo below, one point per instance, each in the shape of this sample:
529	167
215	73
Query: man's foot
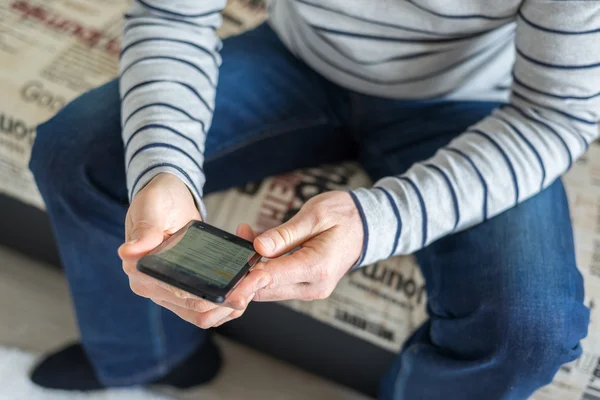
71	369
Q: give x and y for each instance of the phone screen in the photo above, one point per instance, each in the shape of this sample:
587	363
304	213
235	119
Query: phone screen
212	258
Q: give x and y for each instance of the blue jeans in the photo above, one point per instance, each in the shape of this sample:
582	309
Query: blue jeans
505	298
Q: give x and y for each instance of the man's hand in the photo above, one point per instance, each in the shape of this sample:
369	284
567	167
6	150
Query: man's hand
329	231
160	209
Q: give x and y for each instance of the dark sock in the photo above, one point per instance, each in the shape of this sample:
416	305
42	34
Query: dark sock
67	369
200	367
71	369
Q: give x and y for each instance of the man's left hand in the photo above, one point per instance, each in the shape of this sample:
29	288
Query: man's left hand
329	233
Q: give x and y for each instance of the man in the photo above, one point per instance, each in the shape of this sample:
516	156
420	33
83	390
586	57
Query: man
465	113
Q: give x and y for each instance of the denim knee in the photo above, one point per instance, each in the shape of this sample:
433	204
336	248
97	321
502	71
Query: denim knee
53	151
64	143
537	336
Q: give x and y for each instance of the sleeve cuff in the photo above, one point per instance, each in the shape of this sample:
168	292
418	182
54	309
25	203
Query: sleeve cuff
381	223
361	212
137	183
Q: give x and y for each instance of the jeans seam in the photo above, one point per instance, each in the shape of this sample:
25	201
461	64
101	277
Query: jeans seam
250	138
159	332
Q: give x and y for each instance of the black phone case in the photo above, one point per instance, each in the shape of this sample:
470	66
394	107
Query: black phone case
193	284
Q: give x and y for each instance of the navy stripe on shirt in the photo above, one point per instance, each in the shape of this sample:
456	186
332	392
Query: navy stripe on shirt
129	16
528	143
509	164
137	23
540	121
179	41
389	38
351	72
562	97
380	61
159	126
563	113
169	165
422	205
369	21
430	75
548	127
556	31
166	146
377	62
479	175
185	85
169	106
169	58
361	212
398	218
452	193
468	16
555	66
177	14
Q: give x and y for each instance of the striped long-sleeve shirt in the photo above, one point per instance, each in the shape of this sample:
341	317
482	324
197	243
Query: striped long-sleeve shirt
541	57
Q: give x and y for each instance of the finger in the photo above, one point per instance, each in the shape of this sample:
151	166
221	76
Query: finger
237	299
245	231
224	320
215	316
234	315
144	237
183	299
177	292
305	265
255	280
299	291
139	278
289	235
202	320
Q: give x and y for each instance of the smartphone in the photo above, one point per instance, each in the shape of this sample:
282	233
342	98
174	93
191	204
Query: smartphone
202	260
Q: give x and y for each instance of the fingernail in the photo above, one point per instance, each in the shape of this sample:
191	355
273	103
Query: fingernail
251	297
267	242
262	283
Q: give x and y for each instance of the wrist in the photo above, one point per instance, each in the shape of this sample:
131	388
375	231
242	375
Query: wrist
166	178
149	167
175	186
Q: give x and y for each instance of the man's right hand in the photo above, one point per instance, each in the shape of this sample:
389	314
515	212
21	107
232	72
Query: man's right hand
160	209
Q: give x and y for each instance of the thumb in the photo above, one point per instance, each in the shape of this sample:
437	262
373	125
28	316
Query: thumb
287	236
143	238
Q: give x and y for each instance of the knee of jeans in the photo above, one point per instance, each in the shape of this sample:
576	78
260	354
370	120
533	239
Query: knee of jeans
54	151
538	336
64	142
